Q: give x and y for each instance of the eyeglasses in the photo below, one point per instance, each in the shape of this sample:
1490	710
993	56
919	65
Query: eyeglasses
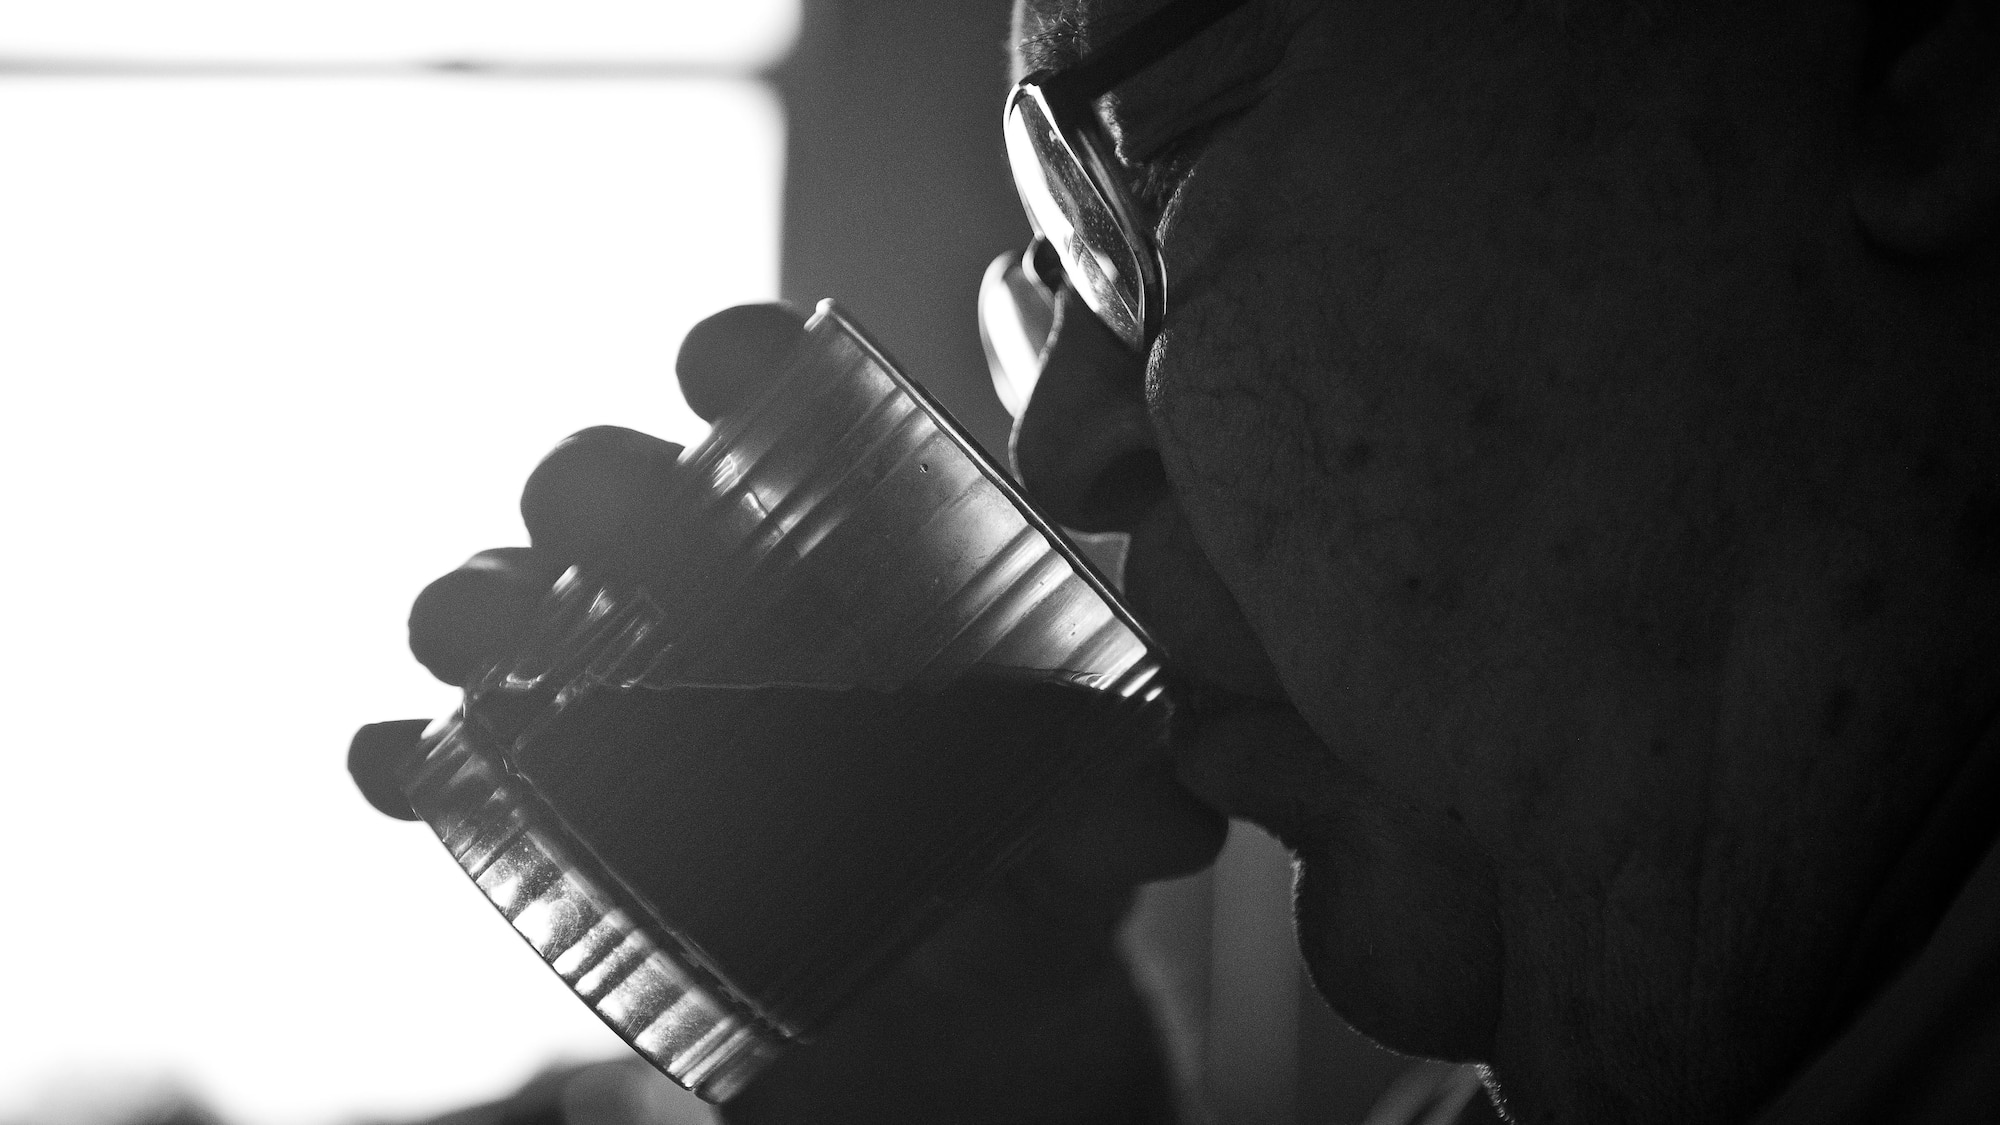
1065	169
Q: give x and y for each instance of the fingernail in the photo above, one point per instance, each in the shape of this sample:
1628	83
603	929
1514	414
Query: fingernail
581	495
727	359
374	757
467	619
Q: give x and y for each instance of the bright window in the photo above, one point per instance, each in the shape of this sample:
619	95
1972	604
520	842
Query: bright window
278	349
737	35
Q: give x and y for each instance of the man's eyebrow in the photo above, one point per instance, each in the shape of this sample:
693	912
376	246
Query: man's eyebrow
1057	34
1048	35
1060	34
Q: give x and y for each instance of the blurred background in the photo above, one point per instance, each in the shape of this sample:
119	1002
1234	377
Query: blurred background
292	297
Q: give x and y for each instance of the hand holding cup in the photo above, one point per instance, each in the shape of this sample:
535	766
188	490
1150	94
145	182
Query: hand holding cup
1019	1002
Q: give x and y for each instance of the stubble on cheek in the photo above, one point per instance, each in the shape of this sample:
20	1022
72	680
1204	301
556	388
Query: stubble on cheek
1240	384
1395	900
1250	387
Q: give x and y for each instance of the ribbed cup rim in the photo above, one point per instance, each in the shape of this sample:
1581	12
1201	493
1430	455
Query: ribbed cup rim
658	999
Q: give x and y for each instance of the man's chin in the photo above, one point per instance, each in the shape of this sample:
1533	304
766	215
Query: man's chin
1395	909
1428	987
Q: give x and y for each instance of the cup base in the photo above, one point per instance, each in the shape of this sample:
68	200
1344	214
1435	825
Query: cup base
653	995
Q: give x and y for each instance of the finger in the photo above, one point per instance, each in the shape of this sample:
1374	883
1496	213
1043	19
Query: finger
1028	932
1455	1091
374	758
1052	917
1428	1093
1055	910
580	499
727	359
467	619
1141	827
910	1049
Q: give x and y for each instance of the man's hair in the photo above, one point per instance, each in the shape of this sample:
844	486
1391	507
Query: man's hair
1055	39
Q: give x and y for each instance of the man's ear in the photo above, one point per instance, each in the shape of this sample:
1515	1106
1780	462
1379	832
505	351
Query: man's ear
1927	181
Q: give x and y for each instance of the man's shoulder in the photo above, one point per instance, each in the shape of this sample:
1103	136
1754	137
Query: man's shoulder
1926	1051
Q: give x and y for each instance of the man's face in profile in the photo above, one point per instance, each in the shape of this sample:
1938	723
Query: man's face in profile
1518	383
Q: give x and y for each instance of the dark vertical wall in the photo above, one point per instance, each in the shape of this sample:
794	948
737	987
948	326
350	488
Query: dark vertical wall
897	193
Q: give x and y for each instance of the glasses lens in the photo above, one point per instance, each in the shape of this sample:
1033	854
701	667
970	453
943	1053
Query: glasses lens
1068	209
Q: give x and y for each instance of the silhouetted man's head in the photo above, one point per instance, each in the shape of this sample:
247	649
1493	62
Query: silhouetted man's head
1578	434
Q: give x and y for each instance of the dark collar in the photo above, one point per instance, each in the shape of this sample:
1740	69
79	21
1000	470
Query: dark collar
1920	888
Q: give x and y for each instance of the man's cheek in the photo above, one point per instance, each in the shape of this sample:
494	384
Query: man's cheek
1231	440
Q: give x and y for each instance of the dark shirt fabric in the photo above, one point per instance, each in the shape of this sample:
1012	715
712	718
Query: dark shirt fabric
1927	1051
1924	1047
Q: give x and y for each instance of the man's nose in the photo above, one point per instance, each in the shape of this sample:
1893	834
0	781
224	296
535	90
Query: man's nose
1084	446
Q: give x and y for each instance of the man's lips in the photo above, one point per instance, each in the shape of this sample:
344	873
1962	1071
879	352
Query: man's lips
1238	743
